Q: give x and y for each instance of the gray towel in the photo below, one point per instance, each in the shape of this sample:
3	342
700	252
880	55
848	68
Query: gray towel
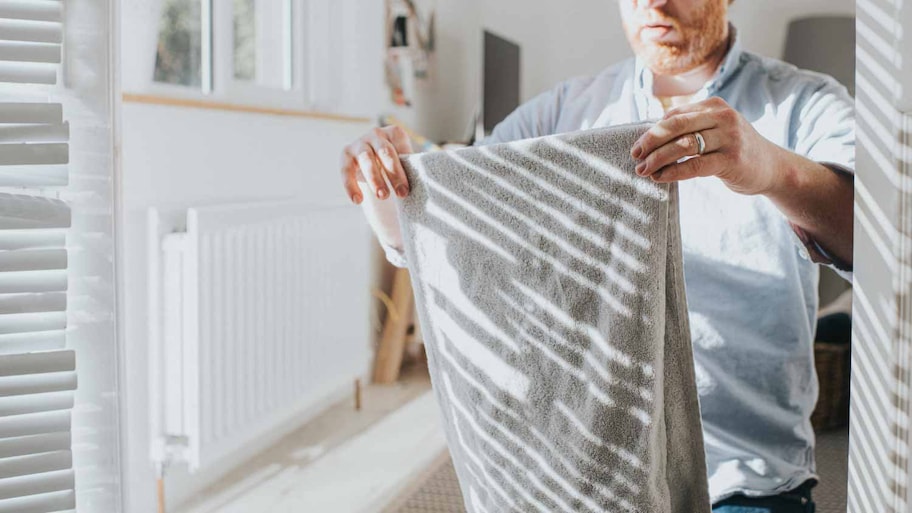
549	285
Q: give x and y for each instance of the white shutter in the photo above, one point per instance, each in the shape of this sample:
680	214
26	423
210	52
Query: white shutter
30	37
37	371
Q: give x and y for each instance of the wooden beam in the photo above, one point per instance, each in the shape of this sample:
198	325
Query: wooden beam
392	343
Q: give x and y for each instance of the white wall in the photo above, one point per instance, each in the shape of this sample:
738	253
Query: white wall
559	40
762	25
180	157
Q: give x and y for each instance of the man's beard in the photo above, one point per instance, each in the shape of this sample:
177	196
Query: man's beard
701	37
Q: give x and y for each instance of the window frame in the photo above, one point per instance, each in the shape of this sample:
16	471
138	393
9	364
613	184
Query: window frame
217	61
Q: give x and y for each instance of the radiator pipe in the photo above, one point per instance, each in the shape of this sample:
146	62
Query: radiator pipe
160	486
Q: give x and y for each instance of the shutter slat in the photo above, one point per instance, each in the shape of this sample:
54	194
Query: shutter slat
33	176
22	405
33	154
49	113
33	259
22	323
33	281
34	444
34	424
36	484
47	503
32	239
31	303
41	384
37	371
29	52
28	73
35	463
14	343
37	363
34	133
21	212
33	31
32	10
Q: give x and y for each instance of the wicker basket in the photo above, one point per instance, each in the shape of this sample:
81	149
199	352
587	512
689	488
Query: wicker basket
833	370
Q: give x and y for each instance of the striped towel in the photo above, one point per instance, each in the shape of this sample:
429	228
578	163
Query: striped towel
549	286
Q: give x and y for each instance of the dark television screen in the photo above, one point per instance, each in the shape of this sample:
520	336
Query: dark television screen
501	79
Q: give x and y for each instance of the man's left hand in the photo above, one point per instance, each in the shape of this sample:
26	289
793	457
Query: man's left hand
734	152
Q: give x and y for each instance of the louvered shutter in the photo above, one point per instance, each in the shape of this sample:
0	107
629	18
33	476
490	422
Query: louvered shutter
37	371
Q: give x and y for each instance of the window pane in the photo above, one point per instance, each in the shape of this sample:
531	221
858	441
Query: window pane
245	39
178	59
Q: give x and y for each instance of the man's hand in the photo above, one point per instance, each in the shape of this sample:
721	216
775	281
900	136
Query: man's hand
814	198
372	159
366	165
735	153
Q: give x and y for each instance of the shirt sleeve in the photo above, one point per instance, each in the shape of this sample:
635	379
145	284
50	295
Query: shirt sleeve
824	131
394	255
824	128
380	217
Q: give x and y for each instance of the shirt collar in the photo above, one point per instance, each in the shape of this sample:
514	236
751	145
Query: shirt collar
644	76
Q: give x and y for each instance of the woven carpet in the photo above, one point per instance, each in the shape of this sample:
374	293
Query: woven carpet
439	492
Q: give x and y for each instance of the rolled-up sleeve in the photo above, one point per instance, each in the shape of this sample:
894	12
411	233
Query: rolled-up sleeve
824	131
394	255
824	128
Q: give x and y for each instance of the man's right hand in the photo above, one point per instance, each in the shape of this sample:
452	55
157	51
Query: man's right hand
372	159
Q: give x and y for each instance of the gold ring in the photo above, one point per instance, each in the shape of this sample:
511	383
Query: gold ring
701	144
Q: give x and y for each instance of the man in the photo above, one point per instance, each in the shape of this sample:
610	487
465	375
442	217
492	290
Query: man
769	195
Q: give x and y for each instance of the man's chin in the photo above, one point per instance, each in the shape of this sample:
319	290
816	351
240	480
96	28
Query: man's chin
667	60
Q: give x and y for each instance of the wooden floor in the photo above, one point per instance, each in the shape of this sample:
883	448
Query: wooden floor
344	461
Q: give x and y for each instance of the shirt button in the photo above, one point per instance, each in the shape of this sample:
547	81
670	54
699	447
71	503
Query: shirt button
803	253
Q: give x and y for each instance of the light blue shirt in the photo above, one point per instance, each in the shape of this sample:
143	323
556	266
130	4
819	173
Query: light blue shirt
751	287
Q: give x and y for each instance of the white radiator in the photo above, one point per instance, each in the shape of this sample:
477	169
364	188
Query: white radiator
258	317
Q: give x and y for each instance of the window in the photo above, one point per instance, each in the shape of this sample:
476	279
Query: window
245	43
178	58
248	51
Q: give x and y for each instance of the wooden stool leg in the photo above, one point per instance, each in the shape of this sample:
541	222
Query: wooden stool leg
392	342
